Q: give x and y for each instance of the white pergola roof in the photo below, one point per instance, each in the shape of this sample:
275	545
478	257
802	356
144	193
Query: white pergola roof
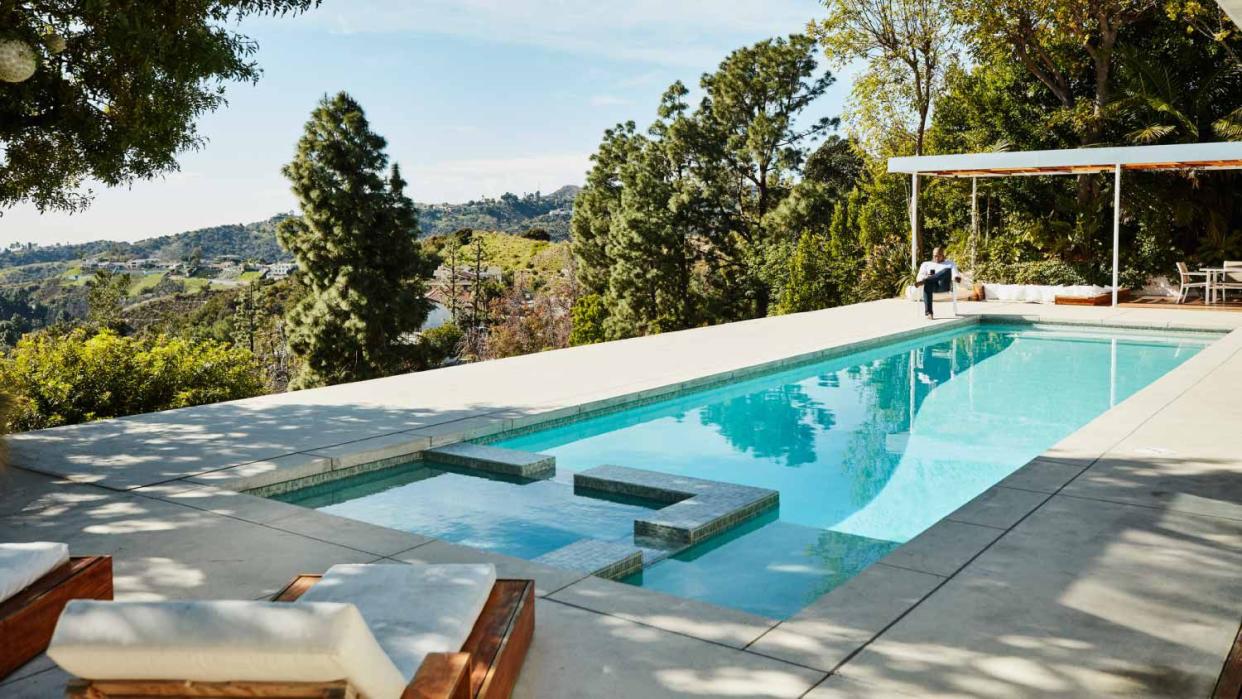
1233	8
1180	156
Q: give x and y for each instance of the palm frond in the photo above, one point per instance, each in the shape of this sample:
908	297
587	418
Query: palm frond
1151	134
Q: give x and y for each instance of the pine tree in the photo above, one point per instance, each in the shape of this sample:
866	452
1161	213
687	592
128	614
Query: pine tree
356	251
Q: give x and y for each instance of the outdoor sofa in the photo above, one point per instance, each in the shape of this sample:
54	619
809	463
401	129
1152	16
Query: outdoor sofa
366	631
36	581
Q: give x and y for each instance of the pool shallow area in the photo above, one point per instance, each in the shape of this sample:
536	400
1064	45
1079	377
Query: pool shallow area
866	450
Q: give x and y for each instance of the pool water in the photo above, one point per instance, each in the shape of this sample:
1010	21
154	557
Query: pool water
867	450
514	516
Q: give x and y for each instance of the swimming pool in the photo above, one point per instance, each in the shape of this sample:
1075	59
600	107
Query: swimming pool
866	449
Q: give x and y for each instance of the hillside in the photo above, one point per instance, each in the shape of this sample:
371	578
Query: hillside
249	241
257	241
510	213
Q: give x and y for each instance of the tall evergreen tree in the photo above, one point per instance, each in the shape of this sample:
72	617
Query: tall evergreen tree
356	250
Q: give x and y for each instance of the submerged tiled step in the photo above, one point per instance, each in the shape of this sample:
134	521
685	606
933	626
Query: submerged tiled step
510	462
606	559
700	508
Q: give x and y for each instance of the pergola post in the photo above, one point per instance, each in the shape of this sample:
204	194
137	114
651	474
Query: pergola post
1116	224
914	221
974	219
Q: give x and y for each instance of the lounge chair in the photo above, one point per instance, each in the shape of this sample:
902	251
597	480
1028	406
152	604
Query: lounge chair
368	631
1188	283
36	581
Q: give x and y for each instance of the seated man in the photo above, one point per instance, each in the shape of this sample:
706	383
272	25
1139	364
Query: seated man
934	277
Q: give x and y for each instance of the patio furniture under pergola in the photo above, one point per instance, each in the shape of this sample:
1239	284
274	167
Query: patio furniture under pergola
1073	161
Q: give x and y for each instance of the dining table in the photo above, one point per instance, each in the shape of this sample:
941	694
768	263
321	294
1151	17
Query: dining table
1214	273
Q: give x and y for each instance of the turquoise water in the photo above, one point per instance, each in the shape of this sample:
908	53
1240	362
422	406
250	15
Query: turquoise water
867	450
514	516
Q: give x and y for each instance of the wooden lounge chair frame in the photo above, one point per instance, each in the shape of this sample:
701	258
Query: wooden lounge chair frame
487	666
28	618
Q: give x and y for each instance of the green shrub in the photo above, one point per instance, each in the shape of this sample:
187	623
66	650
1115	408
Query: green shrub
441	344
1042	272
68	377
588	316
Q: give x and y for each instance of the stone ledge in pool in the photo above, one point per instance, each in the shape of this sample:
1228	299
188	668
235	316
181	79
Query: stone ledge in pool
482	457
700	508
605	559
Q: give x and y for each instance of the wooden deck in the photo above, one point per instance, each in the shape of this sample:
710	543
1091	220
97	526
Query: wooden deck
1194	304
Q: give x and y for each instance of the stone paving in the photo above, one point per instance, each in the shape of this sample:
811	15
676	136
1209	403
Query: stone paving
1117	568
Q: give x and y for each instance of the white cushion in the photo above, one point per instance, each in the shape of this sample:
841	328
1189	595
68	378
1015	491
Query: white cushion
1036	293
223	641
22	564
413	610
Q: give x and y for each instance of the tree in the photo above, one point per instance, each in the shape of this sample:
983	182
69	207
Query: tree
808	285
1058	42
671	229
907	46
356	250
117	90
105	298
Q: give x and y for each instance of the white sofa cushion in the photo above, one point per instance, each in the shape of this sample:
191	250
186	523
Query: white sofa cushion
413	610
22	564
223	641
1037	293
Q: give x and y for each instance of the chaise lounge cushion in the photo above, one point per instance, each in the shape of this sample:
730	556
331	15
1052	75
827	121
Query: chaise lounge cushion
22	564
413	610
224	641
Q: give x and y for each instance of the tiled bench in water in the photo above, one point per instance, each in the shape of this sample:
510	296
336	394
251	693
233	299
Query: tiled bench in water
482	457
605	559
700	508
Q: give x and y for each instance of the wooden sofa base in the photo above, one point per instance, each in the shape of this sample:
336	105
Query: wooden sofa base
28	618
486	668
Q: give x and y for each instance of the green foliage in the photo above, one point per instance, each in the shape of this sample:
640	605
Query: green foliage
906	47
808	280
106	299
356	253
441	344
118	102
1041	272
63	378
588	316
686	224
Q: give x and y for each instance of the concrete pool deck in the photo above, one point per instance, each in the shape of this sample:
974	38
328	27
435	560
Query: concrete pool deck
1112	564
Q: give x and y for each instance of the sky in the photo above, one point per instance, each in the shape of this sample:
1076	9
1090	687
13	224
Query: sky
475	97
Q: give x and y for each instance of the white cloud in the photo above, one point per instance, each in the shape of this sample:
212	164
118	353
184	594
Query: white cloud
695	33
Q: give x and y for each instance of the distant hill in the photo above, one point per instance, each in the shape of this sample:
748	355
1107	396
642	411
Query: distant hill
509	213
248	241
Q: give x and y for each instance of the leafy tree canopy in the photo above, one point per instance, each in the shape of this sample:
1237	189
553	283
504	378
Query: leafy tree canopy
118	87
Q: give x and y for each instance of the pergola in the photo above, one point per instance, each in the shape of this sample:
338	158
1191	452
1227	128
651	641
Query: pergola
1074	161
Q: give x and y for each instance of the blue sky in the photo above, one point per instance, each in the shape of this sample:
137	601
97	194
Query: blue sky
475	97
